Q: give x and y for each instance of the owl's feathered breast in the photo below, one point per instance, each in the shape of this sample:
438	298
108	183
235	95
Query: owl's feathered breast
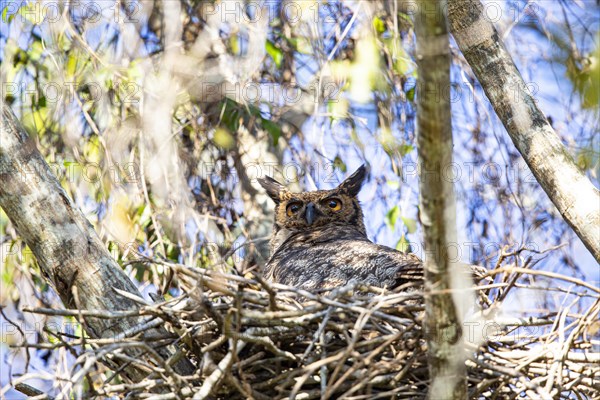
331	257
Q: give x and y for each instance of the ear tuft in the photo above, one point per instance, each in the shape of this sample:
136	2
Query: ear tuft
354	182
272	187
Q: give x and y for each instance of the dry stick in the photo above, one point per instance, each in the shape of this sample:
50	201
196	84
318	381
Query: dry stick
310	369
559	326
21	332
359	363
503	371
317	334
108	390
267	287
30	391
224	366
323	369
560	357
592	358
548	274
358	327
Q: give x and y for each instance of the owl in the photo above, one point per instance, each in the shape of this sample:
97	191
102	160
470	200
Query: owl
319	241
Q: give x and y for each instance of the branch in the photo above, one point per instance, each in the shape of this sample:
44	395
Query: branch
437	205
70	254
575	197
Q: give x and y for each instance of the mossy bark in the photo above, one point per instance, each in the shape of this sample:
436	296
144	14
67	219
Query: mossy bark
437	203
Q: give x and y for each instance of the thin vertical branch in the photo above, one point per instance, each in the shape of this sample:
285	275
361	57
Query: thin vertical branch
437	205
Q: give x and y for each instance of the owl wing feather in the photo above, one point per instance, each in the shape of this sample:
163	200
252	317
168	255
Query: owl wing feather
320	262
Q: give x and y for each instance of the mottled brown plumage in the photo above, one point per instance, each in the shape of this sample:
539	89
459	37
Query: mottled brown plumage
319	241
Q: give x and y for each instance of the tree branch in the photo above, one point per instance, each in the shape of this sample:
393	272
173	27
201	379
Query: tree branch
437	205
575	197
70	254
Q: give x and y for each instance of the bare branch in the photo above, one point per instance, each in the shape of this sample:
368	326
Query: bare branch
575	197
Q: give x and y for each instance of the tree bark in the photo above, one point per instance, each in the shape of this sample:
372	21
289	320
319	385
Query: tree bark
437	204
573	194
71	256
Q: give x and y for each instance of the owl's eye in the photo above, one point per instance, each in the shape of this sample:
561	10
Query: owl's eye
293	208
334	204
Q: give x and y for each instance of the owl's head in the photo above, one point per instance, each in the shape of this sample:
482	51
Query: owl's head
312	211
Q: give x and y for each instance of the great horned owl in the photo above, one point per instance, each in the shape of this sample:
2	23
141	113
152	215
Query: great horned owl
319	241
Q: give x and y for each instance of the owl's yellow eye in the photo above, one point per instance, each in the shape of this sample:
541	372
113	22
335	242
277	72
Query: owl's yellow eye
334	204
293	208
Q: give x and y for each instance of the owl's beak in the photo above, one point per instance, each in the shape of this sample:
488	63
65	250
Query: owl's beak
310	213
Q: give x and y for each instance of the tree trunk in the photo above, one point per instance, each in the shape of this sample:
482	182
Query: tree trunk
437	204
570	190
70	254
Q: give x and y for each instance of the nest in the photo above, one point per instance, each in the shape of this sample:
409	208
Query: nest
250	339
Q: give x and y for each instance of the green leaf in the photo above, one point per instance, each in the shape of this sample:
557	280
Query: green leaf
405	17
231	115
300	44
273	129
403	245
392	216
588	158
139	273
395	185
410	224
36	50
224	139
340	164
234	42
35	121
140	210
275	53
337	109
388	141
405	149
173	253
410	95
403	66
21	57
71	65
379	25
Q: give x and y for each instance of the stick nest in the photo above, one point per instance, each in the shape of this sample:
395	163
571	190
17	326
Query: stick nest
250	339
